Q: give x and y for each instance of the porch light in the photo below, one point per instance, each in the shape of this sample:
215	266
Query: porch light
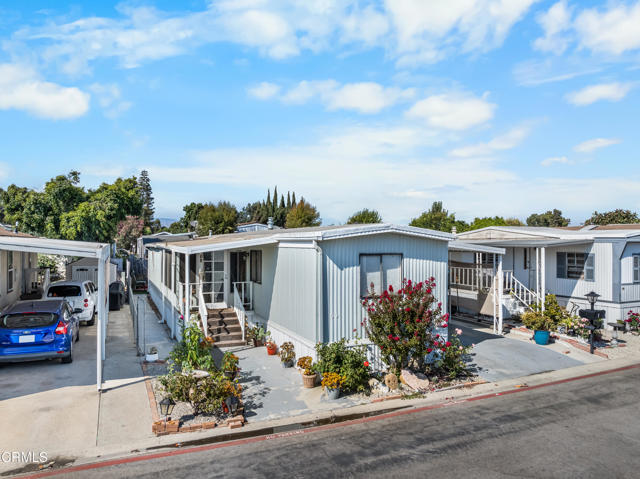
592	297
166	406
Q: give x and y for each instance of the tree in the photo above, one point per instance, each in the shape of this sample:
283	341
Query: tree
302	215
219	219
553	219
191	212
437	218
146	196
129	230
494	221
365	216
615	217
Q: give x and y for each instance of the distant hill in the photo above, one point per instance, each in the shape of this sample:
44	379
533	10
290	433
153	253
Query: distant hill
166	221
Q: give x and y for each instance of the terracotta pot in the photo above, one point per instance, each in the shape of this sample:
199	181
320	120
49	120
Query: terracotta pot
309	381
272	349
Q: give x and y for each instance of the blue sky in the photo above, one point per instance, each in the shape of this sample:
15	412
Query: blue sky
501	107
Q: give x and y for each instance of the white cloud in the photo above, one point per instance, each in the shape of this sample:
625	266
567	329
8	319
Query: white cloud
109	98
509	140
363	97
264	90
613	31
453	111
556	160
592	145
21	88
409	30
554	22
604	91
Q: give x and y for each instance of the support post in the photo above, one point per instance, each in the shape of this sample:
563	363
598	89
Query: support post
538	275
543	274
500	292
187	287
172	288
495	295
101	326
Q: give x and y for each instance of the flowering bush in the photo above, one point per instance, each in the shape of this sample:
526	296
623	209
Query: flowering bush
349	362
332	380
306	364
633	319
450	361
205	395
401	322
193	351
230	361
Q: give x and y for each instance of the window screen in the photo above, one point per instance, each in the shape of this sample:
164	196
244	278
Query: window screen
256	266
381	270
636	268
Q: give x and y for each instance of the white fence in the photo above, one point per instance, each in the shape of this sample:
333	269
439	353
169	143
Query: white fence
473	279
238	306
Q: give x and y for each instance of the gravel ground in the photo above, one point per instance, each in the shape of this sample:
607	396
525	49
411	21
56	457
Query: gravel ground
631	349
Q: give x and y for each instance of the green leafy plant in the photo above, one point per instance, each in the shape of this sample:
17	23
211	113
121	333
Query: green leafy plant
287	352
350	362
549	319
450	356
332	380
193	351
204	395
229	362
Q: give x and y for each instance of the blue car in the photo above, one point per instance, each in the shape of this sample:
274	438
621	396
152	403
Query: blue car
31	330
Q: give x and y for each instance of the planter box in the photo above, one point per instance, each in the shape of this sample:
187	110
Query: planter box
151	357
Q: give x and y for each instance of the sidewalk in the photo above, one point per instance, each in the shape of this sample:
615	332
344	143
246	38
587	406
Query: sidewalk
151	331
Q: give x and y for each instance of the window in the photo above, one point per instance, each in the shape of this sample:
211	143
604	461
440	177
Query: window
526	258
64	291
488	259
381	270
575	266
10	271
255	273
636	268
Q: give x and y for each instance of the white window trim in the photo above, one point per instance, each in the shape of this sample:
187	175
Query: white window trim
585	266
635	268
383	286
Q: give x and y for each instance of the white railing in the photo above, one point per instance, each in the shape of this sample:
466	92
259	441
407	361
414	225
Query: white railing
519	290
181	299
245	294
238	307
202	309
471	278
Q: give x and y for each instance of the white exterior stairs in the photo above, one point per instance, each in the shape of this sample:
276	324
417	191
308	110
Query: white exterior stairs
517	298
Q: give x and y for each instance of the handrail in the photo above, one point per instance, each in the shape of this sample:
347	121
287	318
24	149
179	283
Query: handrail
244	287
202	309
238	307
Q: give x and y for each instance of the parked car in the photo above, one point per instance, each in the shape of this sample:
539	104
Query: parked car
117	295
31	330
80	295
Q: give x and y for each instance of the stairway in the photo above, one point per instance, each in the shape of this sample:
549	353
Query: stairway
517	297
224	327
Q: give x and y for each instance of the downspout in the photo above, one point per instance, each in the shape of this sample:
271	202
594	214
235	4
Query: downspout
319	294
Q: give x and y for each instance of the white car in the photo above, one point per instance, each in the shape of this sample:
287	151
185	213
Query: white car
79	294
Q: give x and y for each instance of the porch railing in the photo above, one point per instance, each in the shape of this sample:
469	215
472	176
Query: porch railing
245	294
473	278
519	290
202	309
238	307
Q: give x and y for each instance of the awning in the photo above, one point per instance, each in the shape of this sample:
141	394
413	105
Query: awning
458	245
529	243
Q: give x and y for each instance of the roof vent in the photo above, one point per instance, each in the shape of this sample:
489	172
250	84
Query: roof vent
210	233
454	230
270	223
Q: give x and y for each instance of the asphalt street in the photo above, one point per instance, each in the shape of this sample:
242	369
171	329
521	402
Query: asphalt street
582	429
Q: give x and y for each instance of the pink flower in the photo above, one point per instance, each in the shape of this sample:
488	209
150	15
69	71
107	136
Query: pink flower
458	331
460	348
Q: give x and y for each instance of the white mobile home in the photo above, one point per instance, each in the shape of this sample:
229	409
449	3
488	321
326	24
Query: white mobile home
18	272
304	284
567	262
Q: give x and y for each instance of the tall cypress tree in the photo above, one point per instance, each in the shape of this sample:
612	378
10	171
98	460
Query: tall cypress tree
146	195
274	203
293	200
288	200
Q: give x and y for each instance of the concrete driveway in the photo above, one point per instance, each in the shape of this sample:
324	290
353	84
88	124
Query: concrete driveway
497	357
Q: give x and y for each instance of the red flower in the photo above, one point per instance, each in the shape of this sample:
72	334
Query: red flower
429	350
408	310
366	364
447	344
390	289
396	338
390	336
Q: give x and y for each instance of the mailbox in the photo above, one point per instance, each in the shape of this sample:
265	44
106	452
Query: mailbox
595	317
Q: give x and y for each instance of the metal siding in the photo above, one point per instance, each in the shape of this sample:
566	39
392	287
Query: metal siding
262	293
293	300
343	312
603	284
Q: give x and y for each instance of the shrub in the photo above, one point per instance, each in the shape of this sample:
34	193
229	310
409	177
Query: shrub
332	380
287	352
633	319
450	356
229	361
193	351
401	322
205	395
549	319
347	361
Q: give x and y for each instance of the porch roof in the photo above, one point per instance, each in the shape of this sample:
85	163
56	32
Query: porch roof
474	247
318	233
530	243
31	244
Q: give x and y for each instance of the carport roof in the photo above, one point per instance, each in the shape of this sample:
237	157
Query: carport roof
529	243
30	244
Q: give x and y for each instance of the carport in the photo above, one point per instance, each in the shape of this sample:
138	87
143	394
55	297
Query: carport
100	251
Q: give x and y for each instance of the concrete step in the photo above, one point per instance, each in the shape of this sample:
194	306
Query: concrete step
225	329
226	337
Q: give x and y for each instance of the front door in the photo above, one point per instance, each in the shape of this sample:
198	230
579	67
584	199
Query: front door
239	262
213	279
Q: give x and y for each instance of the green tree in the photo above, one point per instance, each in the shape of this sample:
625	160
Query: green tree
146	196
615	217
302	215
129	230
191	212
219	219
551	219
13	200
494	221
364	216
439	219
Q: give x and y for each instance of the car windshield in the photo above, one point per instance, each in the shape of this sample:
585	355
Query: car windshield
64	291
27	320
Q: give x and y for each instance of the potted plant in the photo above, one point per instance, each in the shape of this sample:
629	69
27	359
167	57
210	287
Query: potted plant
332	382
272	347
256	335
152	355
305	363
287	354
540	324
230	365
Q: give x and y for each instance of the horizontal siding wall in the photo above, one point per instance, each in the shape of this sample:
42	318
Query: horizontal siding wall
343	311
603	284
293	300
